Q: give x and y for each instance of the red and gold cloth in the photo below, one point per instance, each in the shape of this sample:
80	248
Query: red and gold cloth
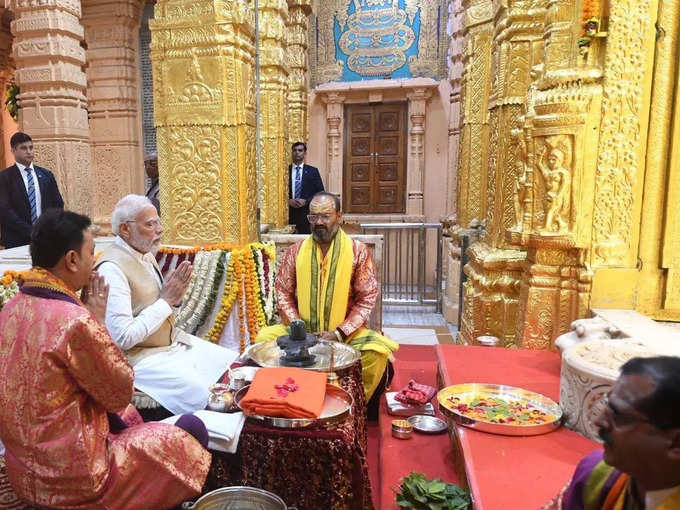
363	291
333	292
286	392
61	374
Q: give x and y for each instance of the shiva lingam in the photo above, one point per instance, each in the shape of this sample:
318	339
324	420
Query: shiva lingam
296	346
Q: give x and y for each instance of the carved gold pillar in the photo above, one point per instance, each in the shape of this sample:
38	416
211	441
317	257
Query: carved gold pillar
273	15
658	292
202	54
554	187
494	271
112	33
586	135
296	58
334	114
49	60
474	135
417	101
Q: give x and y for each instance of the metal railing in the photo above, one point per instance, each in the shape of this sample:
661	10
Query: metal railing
408	276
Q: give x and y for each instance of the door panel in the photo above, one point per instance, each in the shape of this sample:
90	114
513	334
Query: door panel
375	155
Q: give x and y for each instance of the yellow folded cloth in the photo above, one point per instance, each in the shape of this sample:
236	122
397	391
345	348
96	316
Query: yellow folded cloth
286	392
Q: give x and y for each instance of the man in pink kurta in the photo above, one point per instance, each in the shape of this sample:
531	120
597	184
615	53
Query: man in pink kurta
63	378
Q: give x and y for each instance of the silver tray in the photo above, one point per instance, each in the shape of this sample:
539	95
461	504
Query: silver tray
336	407
237	498
268	354
427	424
542	402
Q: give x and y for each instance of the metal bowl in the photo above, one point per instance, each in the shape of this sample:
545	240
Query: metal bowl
427	424
542	402
268	354
337	406
402	429
238	498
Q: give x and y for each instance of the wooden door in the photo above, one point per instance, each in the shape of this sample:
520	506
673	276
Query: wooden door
375	155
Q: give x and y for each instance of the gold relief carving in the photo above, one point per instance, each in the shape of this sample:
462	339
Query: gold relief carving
203	107
431	41
195	89
274	113
474	134
619	165
326	67
521	197
296	57
195	191
554	160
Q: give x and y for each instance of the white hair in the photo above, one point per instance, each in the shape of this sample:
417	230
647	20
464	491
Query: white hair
127	209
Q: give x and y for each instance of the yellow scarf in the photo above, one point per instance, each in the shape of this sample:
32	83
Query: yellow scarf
323	282
323	288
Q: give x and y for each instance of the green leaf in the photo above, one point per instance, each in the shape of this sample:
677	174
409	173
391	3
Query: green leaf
437	486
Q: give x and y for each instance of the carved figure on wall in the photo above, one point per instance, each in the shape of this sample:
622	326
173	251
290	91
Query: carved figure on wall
552	161
519	194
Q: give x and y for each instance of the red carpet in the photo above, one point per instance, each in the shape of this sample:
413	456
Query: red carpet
428	454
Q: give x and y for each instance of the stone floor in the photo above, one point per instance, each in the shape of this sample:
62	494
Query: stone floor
425	318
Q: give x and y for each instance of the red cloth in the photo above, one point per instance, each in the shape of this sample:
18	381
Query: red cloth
491	461
415	394
286	392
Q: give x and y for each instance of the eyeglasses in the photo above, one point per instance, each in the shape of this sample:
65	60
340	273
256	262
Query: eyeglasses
313	218
623	419
147	224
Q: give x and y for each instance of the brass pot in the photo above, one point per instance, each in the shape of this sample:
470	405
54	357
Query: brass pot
238	498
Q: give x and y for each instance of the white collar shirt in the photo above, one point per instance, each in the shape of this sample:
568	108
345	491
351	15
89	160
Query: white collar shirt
24	176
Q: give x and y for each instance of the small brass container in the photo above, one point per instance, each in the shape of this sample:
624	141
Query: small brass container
402	429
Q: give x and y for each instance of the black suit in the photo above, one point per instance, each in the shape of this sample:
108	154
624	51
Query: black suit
311	185
15	209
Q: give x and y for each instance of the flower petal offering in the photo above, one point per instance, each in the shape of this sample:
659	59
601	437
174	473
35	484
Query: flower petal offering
500	409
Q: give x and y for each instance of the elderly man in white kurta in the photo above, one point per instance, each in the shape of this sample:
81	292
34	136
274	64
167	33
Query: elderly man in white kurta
174	368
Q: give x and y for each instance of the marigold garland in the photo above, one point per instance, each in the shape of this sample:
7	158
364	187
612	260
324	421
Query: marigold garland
248	282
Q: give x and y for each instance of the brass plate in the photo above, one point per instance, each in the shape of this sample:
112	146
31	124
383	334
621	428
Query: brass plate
508	393
268	354
336	407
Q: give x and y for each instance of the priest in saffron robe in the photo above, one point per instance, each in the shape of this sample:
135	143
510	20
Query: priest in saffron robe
639	468
328	280
64	381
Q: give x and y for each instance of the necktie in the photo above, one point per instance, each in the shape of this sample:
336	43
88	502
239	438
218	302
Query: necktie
298	181
31	195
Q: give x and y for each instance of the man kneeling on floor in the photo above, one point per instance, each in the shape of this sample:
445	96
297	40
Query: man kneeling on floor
639	468
174	368
328	280
62	380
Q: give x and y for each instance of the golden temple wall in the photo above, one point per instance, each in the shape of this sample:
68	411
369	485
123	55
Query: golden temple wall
494	270
204	97
578	169
475	89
